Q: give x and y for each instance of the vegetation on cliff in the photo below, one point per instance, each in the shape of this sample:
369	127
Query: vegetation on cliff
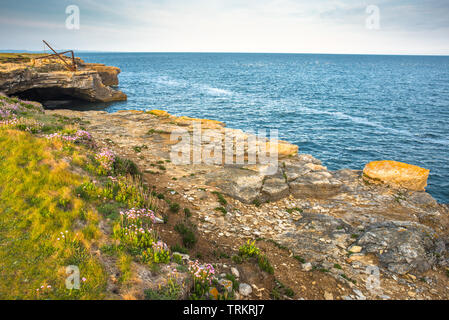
63	199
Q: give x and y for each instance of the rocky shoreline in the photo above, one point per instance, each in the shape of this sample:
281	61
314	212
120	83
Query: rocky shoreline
343	234
328	218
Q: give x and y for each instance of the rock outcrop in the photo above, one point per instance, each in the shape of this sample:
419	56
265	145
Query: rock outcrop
400	246
396	174
49	79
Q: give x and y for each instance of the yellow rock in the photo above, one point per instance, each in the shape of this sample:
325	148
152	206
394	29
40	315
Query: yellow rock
129	111
328	296
284	148
355	249
205	123
315	167
397	174
360	258
160	113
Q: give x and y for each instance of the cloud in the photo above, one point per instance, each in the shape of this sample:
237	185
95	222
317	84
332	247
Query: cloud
408	26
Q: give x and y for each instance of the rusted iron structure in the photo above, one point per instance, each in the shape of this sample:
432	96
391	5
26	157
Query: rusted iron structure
70	67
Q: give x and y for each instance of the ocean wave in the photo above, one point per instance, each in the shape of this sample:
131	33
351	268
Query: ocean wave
170	82
166	81
359	120
216	91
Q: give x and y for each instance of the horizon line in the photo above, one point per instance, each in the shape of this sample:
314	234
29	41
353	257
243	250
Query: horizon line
232	52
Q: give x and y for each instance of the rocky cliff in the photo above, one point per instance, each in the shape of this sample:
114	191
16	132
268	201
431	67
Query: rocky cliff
48	79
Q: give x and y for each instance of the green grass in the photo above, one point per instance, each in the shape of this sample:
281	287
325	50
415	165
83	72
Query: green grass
237	259
221	199
125	166
221	209
187	212
33	217
280	246
174	207
256	202
153	131
178	248
188	236
300	259
290	210
264	264
171	291
280	289
344	276
110	210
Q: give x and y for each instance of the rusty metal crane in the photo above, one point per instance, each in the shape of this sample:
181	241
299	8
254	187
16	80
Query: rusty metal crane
70	67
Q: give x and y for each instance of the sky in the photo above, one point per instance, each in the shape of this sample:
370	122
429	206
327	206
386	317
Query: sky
284	26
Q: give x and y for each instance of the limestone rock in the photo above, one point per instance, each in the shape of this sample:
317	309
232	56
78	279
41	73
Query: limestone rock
205	123
355	249
328	296
319	184
315	234
245	289
274	187
400	246
108	74
244	185
396	174
306	266
159	113
284	148
235	272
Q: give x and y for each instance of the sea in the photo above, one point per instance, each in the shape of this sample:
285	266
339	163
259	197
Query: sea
345	110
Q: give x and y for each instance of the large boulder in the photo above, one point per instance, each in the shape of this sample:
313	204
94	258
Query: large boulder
274	187
238	183
396	174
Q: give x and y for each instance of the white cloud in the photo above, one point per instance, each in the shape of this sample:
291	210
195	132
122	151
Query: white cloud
248	26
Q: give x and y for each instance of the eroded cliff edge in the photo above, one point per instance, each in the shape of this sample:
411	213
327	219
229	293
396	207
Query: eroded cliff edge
33	78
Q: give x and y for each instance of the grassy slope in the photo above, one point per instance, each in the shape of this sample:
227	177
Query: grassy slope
47	221
53	196
36	205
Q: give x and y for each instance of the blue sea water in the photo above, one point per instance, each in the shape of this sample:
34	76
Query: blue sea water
346	110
